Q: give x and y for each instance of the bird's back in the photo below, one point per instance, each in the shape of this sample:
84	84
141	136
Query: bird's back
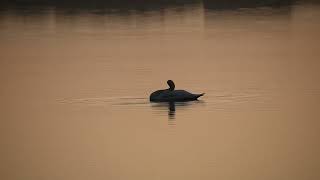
175	95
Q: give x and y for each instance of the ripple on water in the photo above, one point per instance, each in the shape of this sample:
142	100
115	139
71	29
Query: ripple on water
214	100
107	101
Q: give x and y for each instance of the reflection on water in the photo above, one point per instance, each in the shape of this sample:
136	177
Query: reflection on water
171	107
225	5
75	81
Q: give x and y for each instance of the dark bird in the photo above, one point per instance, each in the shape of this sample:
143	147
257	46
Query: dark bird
171	95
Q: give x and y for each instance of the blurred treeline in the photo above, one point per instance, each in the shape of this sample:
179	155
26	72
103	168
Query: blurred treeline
144	4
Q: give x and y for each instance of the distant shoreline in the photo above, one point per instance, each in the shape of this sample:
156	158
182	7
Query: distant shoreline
146	4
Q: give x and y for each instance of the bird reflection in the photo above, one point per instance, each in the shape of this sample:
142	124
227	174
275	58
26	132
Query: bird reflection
171	110
174	108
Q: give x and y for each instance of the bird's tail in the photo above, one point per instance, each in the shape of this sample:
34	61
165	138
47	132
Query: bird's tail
199	95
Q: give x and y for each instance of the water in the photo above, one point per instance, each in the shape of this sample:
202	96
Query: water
75	84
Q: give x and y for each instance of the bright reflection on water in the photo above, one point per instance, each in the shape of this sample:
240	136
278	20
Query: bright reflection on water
75	85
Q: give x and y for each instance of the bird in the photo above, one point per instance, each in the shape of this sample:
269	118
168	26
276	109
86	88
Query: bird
172	95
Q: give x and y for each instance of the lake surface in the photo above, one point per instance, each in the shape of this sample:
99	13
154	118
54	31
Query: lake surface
75	84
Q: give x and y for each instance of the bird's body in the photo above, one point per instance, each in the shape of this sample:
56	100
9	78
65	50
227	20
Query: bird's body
175	95
170	95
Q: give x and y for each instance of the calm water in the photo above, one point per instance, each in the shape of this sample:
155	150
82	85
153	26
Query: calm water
75	85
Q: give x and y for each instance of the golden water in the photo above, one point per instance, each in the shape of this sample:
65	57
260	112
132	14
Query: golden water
75	85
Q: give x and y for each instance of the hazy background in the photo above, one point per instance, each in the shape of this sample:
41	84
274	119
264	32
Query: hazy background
76	76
